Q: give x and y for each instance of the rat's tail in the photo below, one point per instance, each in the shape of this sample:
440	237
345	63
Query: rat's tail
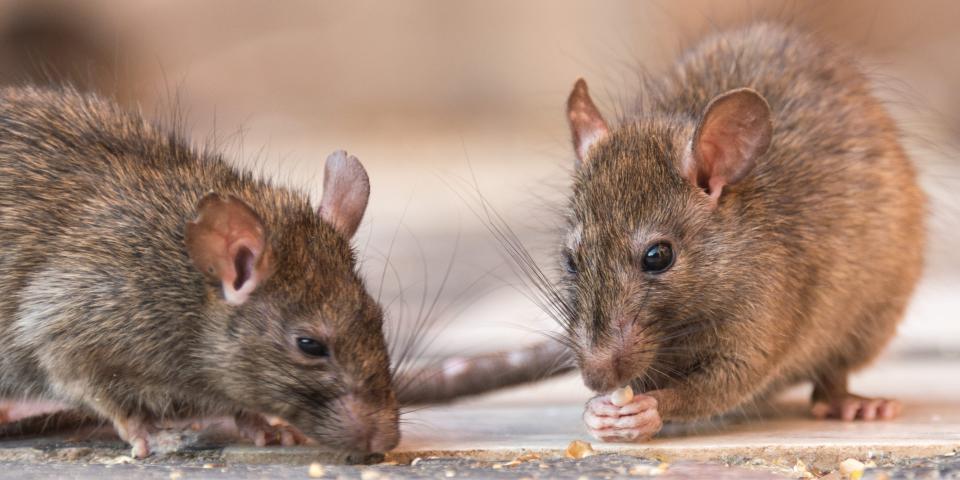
457	377
51	422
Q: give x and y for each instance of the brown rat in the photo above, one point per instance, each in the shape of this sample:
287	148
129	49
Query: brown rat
753	223
147	281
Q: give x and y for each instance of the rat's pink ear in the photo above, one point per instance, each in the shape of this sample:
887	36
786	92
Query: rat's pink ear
346	190
228	243
586	124
734	131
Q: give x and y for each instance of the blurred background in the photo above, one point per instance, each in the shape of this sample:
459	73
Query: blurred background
443	101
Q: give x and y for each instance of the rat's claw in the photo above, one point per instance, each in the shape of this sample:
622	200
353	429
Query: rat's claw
140	447
263	431
854	407
636	421
137	432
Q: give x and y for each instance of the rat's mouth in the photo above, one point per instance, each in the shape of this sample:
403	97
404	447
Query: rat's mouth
363	427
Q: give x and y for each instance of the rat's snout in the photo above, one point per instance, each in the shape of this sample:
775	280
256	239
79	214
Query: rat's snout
617	359
605	371
367	427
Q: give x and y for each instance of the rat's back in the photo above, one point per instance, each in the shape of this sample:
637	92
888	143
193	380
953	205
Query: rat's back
80	186
835	196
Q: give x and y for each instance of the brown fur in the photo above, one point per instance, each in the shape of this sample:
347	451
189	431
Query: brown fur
103	308
801	271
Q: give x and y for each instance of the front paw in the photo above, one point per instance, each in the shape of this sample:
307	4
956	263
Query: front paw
636	421
263	431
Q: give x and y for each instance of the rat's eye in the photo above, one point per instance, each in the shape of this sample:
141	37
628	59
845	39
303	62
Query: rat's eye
657	258
313	348
569	265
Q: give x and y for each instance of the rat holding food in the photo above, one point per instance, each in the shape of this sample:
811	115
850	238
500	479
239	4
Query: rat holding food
149	281
753	223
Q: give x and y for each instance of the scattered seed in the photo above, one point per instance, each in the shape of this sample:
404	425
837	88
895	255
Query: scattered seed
852	468
316	470
579	449
369	475
662	468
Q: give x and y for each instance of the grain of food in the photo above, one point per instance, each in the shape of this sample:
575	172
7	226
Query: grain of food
579	449
622	396
316	470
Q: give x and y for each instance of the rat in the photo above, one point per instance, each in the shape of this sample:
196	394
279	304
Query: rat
753	222
148	281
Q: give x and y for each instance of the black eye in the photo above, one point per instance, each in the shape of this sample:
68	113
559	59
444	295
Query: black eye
657	258
313	348
568	264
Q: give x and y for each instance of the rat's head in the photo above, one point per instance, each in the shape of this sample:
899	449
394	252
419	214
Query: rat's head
654	262
293	331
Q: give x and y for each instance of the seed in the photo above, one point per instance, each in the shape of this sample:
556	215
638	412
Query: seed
316	470
579	449
852	468
622	396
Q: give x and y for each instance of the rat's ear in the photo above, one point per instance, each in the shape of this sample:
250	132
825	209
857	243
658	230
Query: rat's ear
228	243
346	189
586	124
735	129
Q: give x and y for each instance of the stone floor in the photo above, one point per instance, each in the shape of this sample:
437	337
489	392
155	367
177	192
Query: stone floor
524	432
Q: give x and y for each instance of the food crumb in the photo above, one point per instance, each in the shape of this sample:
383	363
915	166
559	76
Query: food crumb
660	469
449	473
176	475
416	461
526	457
852	468
369	475
579	449
316	470
622	396
800	469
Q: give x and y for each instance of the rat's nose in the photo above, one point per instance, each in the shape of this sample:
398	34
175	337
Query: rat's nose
369	428
603	373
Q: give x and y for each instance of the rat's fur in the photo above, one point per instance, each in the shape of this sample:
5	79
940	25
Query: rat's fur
801	271
102	306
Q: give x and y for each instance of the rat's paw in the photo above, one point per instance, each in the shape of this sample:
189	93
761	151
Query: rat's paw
263	431
854	407
634	422
137	432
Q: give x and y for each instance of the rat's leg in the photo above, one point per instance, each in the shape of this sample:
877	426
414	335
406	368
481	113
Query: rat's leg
135	428
634	422
831	399
263	430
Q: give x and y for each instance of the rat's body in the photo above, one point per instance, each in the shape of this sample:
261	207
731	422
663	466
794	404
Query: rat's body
790	252
130	289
